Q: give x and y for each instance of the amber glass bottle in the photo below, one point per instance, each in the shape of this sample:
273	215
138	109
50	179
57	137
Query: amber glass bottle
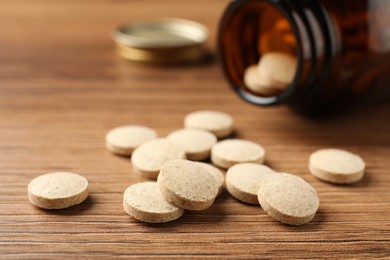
342	48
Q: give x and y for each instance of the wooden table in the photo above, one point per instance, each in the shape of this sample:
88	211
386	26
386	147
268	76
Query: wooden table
62	87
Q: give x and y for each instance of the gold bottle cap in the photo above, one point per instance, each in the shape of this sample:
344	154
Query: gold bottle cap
161	40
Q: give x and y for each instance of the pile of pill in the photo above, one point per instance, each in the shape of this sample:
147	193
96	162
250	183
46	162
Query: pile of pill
179	177
274	72
183	183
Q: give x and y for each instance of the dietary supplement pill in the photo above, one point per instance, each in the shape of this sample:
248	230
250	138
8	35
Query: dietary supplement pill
219	123
278	66
123	140
58	190
261	84
217	174
187	185
288	198
149	157
229	152
243	181
196	142
336	166
144	202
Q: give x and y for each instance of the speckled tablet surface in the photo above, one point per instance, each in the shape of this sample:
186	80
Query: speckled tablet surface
58	190
149	157
196	142
123	140
187	185
219	123
243	181
217	174
144	202
288	198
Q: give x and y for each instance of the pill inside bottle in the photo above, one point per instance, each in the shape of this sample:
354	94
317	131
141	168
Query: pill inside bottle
269	49
276	49
316	56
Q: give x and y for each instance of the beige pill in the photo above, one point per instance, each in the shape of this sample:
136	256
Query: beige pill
219	123
229	152
58	190
187	185
217	174
336	166
144	201
243	181
261	84
196	142
123	140
288	198
149	157
279	67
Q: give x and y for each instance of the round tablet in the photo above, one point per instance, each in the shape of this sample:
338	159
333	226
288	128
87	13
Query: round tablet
261	84
149	157
144	201
278	66
243	181
229	152
196	142
217	174
219	123
336	166
288	198
123	140
187	185
58	190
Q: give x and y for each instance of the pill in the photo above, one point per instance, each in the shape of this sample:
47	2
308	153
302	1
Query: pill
261	84
196	142
187	185
123	140
279	67
217	174
229	152
58	190
144	201
336	166
288	198
243	181
149	157
219	123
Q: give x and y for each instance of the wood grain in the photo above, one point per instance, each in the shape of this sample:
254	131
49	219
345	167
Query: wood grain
62	88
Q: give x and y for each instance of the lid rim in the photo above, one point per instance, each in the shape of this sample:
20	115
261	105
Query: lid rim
121	37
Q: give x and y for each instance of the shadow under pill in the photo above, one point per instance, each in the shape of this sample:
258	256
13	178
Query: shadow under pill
72	211
315	224
366	181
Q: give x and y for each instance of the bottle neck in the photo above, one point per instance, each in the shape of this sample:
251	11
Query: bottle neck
311	29
316	47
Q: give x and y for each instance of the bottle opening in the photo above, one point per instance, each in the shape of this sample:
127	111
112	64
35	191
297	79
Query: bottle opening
259	51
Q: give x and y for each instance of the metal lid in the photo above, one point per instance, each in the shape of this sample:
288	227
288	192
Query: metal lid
161	40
